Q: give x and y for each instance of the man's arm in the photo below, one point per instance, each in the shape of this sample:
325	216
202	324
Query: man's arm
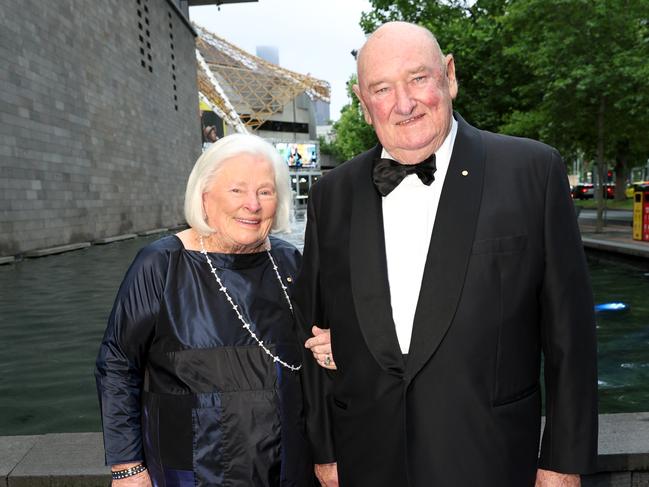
327	474
546	478
568	337
316	384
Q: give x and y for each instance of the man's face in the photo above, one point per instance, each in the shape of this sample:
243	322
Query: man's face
406	92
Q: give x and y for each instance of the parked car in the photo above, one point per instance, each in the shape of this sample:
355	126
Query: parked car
586	191
583	191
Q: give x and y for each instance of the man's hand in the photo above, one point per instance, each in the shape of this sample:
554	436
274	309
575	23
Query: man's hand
327	474
547	478
320	346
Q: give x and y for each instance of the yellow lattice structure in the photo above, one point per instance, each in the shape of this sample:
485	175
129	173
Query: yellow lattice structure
256	88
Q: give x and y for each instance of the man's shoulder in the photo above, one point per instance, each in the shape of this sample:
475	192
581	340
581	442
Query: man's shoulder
507	154
513	142
516	145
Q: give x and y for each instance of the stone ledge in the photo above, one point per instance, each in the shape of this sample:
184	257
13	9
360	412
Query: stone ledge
116	238
635	250
53	460
77	459
57	250
13	450
7	260
616	479
624	442
177	228
146	233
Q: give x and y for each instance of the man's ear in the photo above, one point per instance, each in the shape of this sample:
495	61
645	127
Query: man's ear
366	113
450	76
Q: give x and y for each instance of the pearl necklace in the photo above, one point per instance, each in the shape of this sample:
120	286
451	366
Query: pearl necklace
235	307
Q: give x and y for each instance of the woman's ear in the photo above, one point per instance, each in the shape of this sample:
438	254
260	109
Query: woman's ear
204	205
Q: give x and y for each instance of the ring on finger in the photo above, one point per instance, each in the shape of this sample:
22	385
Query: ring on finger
327	360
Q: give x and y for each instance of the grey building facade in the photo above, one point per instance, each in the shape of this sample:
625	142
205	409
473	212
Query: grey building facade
99	119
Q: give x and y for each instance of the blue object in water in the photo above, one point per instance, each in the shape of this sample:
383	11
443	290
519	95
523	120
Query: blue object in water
611	307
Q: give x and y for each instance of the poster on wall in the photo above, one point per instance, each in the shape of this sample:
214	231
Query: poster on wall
299	155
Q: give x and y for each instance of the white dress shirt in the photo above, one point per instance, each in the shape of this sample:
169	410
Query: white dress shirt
408	217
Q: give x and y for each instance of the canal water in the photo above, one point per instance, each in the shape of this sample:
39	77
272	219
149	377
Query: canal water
53	312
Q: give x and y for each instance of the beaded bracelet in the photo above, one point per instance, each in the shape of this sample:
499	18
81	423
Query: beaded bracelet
128	472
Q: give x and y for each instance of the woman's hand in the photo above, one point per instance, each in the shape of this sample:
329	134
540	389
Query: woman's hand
320	346
141	479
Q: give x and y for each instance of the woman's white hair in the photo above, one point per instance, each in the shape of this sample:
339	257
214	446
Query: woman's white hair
211	160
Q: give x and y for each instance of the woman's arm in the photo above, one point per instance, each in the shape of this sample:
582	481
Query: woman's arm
122	355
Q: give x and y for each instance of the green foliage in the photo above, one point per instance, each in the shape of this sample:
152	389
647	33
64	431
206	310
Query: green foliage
352	135
624	204
415	11
587	59
572	73
326	147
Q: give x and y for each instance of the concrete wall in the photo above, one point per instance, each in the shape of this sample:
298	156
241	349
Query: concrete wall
99	123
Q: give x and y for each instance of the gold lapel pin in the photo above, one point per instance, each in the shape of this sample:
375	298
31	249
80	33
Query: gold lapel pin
465	173
289	279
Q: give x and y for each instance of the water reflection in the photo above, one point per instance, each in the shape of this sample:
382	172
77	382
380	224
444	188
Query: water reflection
623	337
53	312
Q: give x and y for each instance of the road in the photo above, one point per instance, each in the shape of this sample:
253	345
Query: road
612	217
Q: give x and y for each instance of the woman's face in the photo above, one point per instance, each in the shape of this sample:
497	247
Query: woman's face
240	204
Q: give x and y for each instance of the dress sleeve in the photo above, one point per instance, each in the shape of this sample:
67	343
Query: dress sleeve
122	355
569	442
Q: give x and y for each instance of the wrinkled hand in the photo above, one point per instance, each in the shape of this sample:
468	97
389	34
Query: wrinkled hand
320	346
142	479
547	478
327	474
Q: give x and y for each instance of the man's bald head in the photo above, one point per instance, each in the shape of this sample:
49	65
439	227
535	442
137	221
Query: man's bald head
394	32
406	87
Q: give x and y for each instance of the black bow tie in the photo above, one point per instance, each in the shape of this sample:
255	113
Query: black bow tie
387	174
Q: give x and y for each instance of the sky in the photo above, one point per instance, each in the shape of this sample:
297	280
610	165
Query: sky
312	36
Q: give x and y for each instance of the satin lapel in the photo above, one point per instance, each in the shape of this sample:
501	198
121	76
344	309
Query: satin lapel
369	274
450	247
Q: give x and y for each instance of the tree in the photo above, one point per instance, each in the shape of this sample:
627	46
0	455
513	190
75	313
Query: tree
352	135
590	77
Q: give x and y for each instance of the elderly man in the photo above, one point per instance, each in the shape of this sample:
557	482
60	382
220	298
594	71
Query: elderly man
445	261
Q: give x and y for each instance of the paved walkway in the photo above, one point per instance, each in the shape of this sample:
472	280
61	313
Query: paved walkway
614	238
77	459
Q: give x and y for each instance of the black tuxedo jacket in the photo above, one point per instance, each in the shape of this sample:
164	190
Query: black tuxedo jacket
505	283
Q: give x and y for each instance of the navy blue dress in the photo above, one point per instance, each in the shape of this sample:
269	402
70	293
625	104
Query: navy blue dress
185	388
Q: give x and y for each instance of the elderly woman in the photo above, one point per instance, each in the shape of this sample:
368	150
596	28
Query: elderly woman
198	372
